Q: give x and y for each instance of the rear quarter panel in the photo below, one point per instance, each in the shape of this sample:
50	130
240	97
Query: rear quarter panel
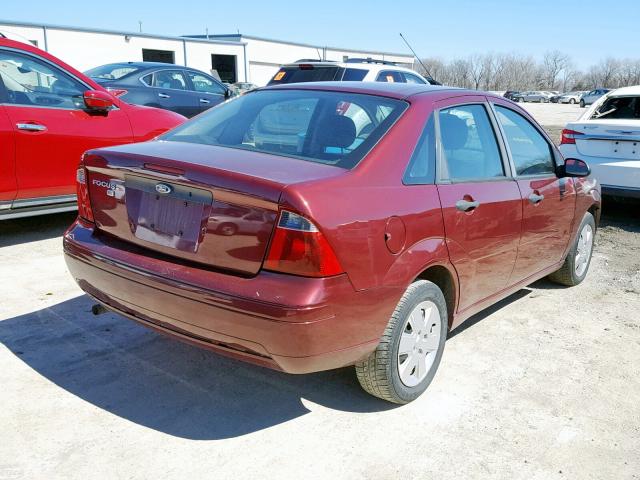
149	122
355	213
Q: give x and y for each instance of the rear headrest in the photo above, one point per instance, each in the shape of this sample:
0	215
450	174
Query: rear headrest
453	131
335	131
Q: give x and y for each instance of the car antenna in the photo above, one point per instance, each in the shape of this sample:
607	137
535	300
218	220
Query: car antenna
417	57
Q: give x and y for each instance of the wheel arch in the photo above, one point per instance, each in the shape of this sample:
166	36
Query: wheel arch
447	282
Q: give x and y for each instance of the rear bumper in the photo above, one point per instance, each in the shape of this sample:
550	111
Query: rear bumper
294	324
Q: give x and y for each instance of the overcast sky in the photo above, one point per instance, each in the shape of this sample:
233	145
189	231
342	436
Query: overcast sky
588	30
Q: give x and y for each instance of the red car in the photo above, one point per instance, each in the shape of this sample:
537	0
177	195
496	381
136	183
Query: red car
49	115
389	214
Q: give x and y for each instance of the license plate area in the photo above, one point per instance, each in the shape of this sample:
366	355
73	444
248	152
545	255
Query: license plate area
167	214
625	149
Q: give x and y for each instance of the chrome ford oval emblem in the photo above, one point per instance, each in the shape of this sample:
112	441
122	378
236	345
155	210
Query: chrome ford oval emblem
163	188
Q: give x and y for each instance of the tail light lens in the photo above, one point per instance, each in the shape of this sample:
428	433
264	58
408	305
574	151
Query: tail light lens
299	248
117	92
569	136
84	205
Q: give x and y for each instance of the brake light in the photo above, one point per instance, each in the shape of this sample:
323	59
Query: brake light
117	92
299	248
305	66
84	205
568	137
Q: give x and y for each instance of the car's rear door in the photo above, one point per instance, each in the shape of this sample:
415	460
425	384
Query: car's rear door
548	202
481	202
207	91
45	109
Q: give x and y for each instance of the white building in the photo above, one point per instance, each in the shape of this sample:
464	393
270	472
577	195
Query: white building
234	57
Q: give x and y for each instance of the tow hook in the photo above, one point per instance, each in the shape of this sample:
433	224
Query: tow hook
98	309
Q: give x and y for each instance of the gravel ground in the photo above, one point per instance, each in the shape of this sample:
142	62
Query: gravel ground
554	116
545	385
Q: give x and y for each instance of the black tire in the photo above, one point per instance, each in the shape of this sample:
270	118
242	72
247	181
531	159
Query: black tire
582	104
378	373
566	275
521	99
572	101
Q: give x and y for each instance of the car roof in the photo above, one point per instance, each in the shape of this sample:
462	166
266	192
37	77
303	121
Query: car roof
150	65
384	89
633	90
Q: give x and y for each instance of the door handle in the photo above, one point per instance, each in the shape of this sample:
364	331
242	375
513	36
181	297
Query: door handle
204	100
31	127
164	95
535	198
466	205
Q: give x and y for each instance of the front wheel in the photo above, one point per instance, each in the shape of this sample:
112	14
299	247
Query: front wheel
405	361
576	265
572	101
582	104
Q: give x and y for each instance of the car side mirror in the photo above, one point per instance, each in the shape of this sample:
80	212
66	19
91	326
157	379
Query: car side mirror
228	94
574	167
97	101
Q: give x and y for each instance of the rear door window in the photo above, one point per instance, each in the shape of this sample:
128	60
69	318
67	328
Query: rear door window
390	76
173	79
469	147
530	151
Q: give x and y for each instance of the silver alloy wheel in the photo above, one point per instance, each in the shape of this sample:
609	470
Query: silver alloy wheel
419	343
583	250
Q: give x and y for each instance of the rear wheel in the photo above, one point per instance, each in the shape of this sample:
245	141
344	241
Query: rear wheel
582	104
408	355
572	101
575	267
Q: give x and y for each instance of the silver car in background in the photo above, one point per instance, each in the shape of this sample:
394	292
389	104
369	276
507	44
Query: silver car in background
533	96
590	97
571	97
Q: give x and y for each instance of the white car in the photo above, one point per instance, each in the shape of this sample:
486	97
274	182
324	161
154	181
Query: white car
607	137
571	97
354	69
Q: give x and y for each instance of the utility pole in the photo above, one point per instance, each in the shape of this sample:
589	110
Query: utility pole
140	25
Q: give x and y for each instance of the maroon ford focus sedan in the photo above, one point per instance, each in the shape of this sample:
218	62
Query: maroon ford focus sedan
314	226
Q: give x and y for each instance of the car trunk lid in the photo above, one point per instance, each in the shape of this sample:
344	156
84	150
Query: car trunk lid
613	139
211	205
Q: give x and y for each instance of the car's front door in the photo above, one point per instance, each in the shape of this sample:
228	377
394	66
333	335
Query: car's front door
8	185
51	126
171	92
207	91
548	202
481	203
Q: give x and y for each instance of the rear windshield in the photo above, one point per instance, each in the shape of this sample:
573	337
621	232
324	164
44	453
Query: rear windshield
335	128
113	71
622	108
306	73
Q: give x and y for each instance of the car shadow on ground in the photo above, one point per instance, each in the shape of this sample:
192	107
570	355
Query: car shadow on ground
164	384
623	214
33	229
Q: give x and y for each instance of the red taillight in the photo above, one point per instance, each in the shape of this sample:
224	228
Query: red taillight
84	205
299	248
305	66
569	136
117	92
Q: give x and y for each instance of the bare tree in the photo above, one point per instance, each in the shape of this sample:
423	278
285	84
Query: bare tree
553	63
